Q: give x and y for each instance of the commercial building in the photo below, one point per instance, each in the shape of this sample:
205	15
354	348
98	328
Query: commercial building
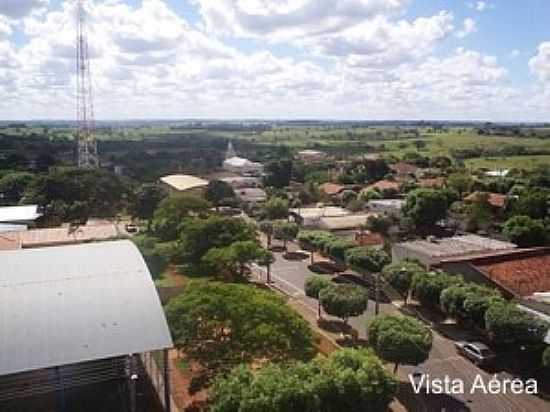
309	217
433	251
76	318
184	183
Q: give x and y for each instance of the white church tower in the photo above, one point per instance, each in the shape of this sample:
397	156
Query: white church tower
230	151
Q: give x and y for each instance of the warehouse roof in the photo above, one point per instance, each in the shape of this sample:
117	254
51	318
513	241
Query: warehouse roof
27	213
183	182
70	304
344	222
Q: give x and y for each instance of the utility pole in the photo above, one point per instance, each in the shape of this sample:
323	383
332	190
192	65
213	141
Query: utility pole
85	134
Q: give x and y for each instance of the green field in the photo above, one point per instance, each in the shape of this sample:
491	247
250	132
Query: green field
512	162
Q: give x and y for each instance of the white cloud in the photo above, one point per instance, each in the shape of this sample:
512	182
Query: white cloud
540	63
480	5
279	20
469	26
17	9
514	53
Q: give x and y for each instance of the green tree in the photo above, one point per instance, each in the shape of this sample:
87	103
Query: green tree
275	208
266	258
218	191
172	211
266	227
367	259
461	182
348	380
400	339
425	207
313	286
146	200
510	327
286	231
379	224
476	304
231	262
13	185
198	236
399	275
525	232
220	325
343	301
278	173
427	286
534	204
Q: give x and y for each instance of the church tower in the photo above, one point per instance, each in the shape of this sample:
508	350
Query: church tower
230	151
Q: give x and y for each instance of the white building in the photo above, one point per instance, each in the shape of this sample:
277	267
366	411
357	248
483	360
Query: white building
182	183
386	207
311	216
21	215
240	165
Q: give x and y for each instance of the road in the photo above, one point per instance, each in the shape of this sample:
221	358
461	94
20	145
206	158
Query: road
443	361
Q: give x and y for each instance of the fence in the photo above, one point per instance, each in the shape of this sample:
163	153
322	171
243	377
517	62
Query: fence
157	367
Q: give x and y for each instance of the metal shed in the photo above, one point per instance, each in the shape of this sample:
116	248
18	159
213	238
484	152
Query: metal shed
68	305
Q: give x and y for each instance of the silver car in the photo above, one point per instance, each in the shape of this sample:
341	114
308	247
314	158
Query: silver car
477	352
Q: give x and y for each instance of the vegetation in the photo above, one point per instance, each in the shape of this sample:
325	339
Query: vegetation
343	301
221	325
275	208
400	339
313	287
400	275
427	286
347	380
365	259
218	191
286	231
525	231
147	197
171	212
425	207
546	357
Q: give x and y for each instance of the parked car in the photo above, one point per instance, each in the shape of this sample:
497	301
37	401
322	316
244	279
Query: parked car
477	352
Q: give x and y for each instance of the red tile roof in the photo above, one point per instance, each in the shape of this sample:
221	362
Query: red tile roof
385	185
404	168
497	200
369	239
331	189
521	274
435	182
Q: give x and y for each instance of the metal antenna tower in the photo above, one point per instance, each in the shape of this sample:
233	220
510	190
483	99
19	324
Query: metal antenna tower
87	144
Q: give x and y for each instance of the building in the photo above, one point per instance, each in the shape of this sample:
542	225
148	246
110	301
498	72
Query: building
432	251
331	189
240	165
311	156
75	320
22	215
404	169
385	185
432	183
343	223
367	238
495	200
251	196
184	183
241	182
386	207
58	236
497	173
310	216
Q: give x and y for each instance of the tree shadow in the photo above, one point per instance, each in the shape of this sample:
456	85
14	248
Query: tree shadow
295	256
324	268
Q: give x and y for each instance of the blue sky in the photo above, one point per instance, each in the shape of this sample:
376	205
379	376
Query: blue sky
357	59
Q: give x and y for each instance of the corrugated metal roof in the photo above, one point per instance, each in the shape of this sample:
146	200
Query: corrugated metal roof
69	304
27	213
183	182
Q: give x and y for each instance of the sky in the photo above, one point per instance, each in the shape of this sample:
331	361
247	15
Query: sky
281	59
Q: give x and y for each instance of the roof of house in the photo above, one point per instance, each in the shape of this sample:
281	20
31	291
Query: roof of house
497	200
309	152
183	182
391	203
240	162
241	181
403	168
331	189
435	182
522	273
317	212
251	194
70	304
343	222
26	213
456	246
368	238
385	185
60	236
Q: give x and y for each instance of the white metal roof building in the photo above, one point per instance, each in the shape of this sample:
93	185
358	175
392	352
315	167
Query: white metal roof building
182	183
242	166
19	214
70	304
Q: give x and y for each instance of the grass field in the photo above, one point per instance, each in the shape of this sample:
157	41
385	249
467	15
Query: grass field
512	162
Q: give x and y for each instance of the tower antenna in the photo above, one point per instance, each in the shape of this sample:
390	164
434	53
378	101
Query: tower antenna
87	144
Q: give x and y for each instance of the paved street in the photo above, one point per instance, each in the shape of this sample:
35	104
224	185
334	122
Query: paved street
290	277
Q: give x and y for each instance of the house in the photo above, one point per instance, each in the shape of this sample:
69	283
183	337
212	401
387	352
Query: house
343	223
22	215
369	239
331	189
432	251
404	169
77	315
251	195
495	200
497	173
184	183
432	183
240	165
311	156
309	217
241	182
386	207
385	185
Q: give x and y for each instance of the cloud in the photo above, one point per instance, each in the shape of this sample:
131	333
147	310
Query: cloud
279	20
514	53
480	5
540	63
469	26
16	9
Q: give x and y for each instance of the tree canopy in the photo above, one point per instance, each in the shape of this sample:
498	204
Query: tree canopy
348	380
425	207
13	185
217	191
278	173
367	259
399	275
275	208
343	301
231	262
146	199
221	325
427	286
525	231
400	339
